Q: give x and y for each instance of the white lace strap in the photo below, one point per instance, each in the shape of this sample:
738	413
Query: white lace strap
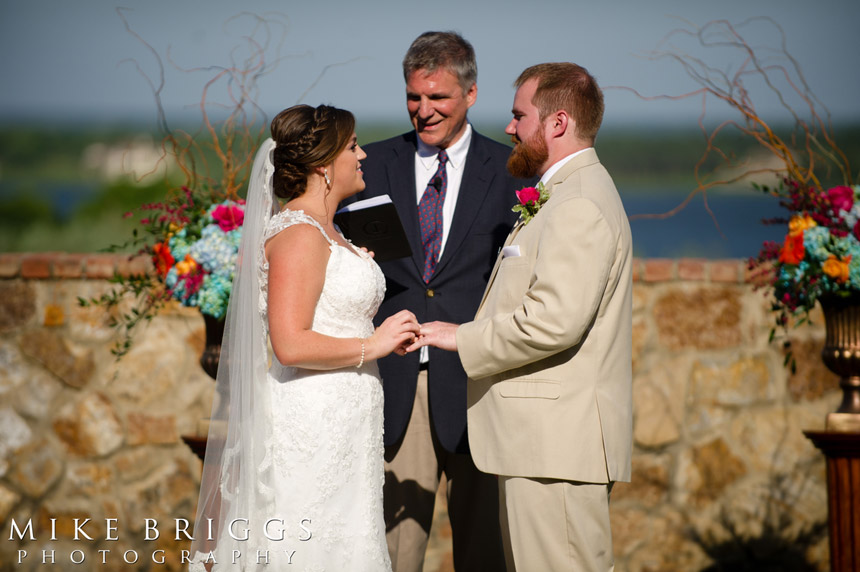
288	218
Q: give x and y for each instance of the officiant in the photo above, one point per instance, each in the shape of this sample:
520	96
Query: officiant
454	196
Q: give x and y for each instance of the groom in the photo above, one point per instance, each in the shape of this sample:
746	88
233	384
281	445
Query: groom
549	352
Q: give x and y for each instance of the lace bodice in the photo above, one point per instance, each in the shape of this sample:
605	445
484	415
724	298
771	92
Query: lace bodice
354	285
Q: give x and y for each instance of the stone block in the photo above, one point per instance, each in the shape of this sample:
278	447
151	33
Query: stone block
692	269
157	363
89	480
10	264
134	266
151	429
36	468
38	266
35	398
51	350
54	316
649	484
134	464
89	426
701	319
13	370
741	382
69	265
709	469
8	500
729	271
704	419
87	323
15	434
170	491
100	265
17	305
771	440
658	404
659	270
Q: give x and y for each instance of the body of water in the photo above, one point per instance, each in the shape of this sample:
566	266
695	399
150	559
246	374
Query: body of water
737	233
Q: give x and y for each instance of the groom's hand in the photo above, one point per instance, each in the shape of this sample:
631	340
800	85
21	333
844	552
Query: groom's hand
443	335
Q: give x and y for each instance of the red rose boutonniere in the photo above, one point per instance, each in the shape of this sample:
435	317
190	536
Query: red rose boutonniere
530	201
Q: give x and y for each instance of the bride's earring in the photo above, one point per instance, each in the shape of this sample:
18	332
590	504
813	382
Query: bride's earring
327	180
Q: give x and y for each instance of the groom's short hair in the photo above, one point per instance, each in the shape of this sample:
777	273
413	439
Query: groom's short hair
569	87
446	50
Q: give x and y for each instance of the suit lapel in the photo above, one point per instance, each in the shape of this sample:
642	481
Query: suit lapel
511	236
401	178
587	157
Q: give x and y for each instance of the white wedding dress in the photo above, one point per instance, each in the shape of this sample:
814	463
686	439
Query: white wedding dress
326	445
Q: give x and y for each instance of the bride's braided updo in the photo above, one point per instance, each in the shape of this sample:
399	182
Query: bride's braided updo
306	138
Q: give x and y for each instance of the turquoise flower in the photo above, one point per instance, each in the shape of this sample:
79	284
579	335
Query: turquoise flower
816	241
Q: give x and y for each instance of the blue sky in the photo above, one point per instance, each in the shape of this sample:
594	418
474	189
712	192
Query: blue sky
71	59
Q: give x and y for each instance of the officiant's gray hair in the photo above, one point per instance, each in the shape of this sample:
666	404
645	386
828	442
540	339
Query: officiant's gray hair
446	50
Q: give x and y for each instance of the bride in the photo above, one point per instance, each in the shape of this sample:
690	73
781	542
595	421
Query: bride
293	473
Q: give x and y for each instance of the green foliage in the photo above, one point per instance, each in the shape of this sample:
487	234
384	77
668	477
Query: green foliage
20	211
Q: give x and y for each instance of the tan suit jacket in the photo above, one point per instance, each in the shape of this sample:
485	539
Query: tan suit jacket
549	352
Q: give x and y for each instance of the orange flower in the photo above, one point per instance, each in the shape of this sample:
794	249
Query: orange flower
792	251
799	223
162	258
187	266
837	269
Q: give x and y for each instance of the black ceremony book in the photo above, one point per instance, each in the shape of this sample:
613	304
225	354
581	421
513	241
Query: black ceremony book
373	223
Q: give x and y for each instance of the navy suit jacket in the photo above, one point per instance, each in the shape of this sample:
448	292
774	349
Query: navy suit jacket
482	220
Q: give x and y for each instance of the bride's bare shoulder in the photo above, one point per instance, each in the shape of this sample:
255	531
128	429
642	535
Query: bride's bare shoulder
298	239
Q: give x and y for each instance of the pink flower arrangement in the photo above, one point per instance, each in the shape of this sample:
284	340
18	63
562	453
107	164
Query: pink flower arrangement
228	217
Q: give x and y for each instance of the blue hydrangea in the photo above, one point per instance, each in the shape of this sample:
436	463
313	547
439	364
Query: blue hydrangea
214	295
179	245
215	251
816	242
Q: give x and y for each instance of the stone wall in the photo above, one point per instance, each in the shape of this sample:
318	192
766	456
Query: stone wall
719	453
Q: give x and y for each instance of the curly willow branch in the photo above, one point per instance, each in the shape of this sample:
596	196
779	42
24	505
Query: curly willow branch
809	147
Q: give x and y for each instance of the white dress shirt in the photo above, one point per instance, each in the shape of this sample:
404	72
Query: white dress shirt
425	167
558	165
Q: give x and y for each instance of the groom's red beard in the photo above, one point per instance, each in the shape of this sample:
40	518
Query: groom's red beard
528	156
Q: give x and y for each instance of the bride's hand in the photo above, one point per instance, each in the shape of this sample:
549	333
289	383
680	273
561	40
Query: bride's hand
369	252
393	335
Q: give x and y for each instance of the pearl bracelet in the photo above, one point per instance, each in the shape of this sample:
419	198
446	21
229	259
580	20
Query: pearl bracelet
361	361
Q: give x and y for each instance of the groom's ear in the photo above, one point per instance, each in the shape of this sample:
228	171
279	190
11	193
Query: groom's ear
560	123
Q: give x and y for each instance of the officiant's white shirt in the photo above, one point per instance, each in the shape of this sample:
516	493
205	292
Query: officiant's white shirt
425	167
